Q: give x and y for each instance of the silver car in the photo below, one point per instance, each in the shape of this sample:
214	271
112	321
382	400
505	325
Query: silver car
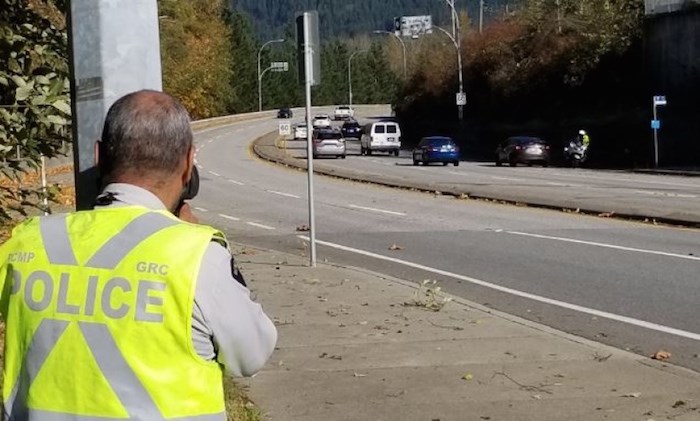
328	142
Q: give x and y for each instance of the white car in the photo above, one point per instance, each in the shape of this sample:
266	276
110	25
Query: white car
343	112
300	131
322	120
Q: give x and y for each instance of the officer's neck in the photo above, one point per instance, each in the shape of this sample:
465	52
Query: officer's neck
167	191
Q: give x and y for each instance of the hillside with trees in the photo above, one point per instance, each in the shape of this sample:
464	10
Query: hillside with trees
351	18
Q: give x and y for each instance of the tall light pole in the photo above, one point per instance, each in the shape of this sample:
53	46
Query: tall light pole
457	41
350	75
459	66
259	75
403	46
481	16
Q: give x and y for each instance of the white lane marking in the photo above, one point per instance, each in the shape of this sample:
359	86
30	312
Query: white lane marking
200	166
505	178
534	297
279	193
214	173
201	209
553	183
657	193
235	182
604	245
229	217
377	210
632	180
265	227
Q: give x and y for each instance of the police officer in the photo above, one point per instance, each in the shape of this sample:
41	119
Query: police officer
583	138
127	311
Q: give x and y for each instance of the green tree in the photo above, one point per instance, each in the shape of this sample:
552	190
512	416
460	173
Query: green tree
196	55
243	63
34	92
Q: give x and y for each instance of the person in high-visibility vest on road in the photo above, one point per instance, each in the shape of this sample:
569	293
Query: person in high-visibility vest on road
584	138
128	311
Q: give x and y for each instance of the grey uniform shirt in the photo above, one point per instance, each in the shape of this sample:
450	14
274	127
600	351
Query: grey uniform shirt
227	326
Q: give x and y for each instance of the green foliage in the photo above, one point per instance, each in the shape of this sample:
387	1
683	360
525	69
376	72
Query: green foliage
196	51
550	68
353	17
34	92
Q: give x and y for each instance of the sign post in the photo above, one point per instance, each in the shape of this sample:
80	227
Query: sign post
309	46
656	125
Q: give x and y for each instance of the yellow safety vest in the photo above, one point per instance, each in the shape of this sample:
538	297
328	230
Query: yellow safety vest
98	311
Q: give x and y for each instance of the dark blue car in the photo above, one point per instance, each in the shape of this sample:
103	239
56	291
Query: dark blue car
436	149
351	130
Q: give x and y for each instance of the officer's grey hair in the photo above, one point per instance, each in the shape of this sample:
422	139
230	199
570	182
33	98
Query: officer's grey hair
145	133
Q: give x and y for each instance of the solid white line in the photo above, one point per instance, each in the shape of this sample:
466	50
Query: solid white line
505	178
235	182
664	194
215	173
283	194
201	209
265	227
232	218
377	210
604	245
562	304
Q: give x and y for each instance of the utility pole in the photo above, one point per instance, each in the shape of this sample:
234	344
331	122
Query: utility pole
457	41
481	16
114	49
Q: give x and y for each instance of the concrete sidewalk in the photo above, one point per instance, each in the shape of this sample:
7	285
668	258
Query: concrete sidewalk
356	345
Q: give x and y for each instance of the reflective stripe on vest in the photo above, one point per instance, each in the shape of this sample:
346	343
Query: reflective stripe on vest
121	378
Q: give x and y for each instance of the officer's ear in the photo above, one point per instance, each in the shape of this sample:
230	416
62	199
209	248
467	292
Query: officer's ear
97	153
189	164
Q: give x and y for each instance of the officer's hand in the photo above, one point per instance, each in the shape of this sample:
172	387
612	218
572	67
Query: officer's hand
186	214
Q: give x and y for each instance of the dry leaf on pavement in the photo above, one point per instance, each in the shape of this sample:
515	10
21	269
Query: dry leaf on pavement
661	355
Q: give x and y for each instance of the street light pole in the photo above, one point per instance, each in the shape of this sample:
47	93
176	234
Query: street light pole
459	65
259	75
350	75
481	16
403	46
457	41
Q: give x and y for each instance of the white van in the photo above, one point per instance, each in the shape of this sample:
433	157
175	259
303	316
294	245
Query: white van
381	136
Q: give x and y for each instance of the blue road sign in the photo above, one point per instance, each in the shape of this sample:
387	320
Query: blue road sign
655	124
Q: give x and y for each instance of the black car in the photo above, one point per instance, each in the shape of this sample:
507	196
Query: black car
351	129
523	150
284	112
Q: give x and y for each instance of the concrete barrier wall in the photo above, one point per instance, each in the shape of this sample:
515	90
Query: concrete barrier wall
672	49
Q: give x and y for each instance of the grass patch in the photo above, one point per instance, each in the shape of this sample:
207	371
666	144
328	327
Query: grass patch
238	406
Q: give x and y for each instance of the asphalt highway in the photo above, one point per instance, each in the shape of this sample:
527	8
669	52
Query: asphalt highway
631	285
